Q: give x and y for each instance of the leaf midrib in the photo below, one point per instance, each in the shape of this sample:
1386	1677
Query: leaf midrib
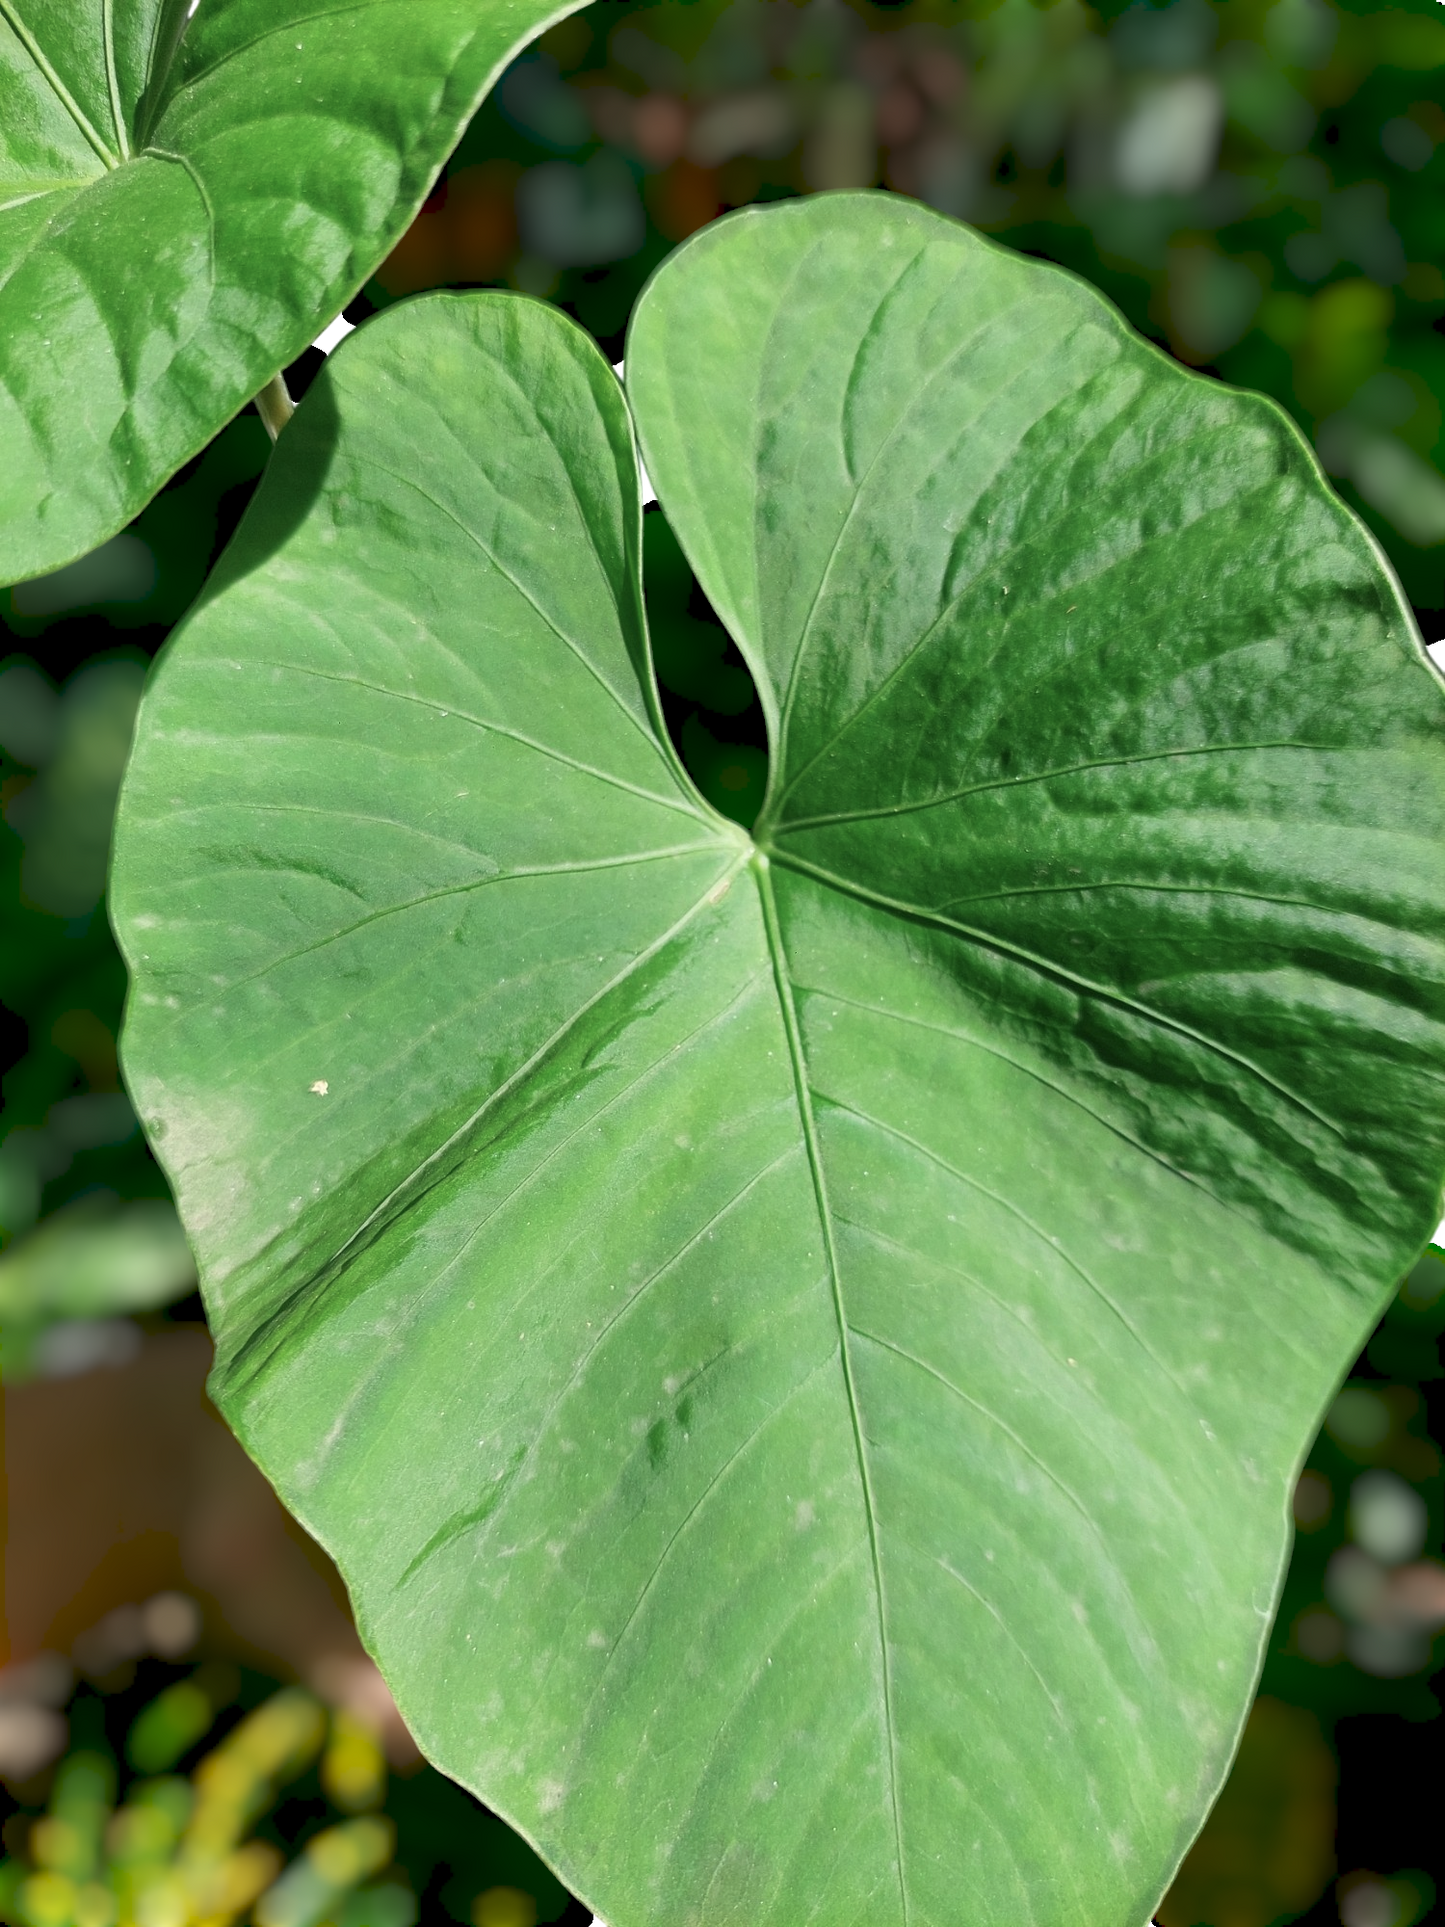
254	1351
16	193
204	72
756	857
57	86
802	1086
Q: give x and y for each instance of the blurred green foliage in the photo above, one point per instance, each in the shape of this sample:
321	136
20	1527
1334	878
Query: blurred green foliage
1259	184
290	1820
70	1148
1363	1603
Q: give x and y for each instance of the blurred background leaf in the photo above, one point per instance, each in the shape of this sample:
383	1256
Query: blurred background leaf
289	1816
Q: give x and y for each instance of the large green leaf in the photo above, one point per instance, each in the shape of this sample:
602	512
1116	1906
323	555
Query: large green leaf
801	1345
183	203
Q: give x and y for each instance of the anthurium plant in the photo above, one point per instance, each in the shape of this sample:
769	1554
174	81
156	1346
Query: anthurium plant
798	1335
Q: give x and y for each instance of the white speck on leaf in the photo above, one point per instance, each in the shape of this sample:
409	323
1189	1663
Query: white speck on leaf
320	1087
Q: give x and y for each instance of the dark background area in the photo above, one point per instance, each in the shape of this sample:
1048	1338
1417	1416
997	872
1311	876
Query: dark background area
1261	189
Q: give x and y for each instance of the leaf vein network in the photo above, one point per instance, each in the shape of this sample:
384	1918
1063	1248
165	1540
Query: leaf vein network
585	518
420	1303
678	803
953	603
864	342
180	160
806	1599
57	86
739	1451
293	21
520	874
404	1191
805	634
1009	1635
41	235
1051	1245
1146	885
1111	1557
255	806
1025	1070
888	810
1046	966
507	576
635	1296
31	189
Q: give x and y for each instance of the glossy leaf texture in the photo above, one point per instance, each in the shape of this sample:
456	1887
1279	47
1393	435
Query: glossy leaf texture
186	196
801	1344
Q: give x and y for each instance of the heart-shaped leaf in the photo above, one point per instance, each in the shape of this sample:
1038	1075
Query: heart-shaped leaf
800	1344
183	202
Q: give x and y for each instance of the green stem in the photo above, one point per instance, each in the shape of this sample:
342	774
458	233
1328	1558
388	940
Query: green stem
112	79
275	406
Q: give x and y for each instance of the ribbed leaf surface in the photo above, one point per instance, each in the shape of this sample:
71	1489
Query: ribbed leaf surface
800	1344
183	203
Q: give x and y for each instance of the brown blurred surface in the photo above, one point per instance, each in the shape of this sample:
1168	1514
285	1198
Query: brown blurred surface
1268	1848
122	1483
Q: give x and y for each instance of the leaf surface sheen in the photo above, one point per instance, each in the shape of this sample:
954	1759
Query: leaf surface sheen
800	1346
183	203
